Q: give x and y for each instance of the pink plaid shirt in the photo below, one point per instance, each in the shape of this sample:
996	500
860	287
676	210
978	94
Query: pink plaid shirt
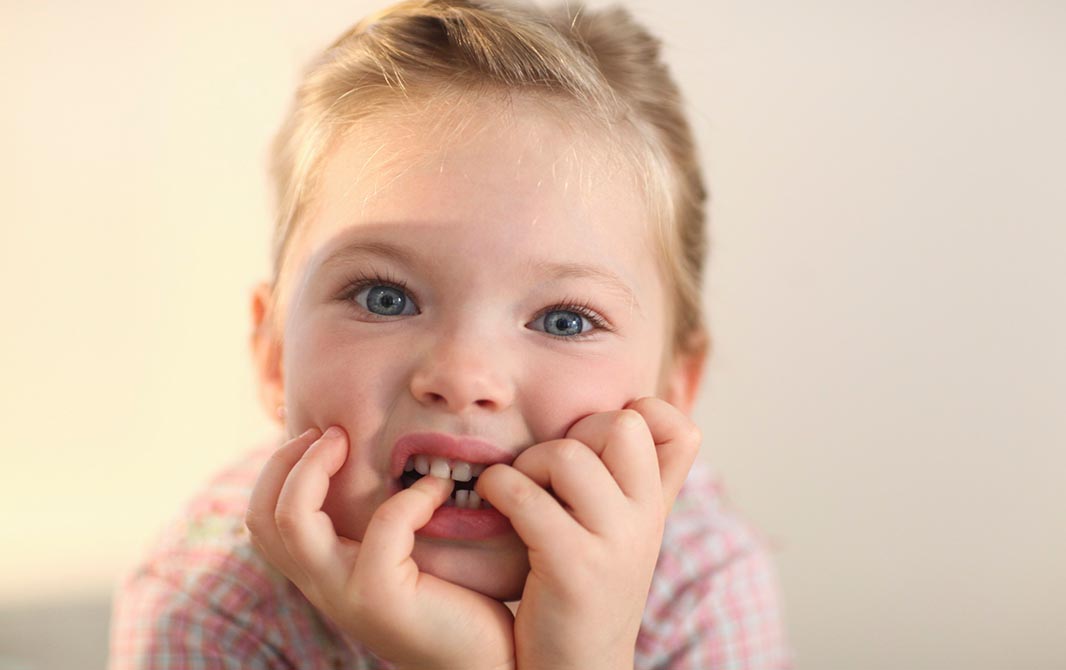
204	598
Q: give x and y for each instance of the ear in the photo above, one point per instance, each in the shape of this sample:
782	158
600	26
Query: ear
681	381
266	353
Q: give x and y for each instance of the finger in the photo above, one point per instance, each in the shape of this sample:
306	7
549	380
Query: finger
390	536
578	478
677	442
304	528
259	518
624	442
537	517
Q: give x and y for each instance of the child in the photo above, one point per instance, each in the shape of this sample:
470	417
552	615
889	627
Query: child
483	337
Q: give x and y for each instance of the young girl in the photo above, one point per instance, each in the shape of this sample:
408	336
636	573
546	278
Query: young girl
482	340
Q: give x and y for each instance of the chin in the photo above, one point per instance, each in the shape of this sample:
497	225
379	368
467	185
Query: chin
499	573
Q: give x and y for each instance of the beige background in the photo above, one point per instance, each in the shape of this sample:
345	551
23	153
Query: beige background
886	289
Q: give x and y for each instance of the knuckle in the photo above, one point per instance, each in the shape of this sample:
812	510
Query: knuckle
252	522
286	519
524	497
627	420
278	459
388	515
568	450
694	436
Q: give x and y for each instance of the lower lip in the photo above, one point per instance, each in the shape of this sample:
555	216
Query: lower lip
465	524
457	523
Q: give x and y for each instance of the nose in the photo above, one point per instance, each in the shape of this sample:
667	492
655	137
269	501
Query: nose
462	372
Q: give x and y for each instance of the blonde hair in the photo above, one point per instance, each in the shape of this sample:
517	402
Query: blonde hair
601	65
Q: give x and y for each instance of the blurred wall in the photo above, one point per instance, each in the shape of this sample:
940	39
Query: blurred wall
886	291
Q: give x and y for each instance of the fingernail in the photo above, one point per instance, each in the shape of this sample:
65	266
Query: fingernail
332	434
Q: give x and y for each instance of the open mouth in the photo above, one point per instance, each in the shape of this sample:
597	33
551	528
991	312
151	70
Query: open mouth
464	475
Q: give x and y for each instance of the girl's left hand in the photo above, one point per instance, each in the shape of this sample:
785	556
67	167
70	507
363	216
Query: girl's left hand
594	544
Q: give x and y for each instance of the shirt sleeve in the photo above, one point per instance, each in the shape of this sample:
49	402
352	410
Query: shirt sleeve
156	626
202	598
714	602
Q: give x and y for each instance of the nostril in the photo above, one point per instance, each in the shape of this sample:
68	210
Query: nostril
438	399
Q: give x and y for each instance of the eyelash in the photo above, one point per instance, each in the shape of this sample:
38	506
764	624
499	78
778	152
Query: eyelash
357	283
582	307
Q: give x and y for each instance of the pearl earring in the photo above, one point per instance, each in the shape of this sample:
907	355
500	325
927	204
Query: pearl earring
281	411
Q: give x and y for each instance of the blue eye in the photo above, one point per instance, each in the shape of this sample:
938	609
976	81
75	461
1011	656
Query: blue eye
570	322
563	323
385	300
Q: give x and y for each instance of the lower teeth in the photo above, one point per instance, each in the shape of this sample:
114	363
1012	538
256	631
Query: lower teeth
466	499
452	502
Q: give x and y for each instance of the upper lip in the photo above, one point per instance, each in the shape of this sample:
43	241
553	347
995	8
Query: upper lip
443	445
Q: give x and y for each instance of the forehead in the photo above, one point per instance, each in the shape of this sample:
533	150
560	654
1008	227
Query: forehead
499	183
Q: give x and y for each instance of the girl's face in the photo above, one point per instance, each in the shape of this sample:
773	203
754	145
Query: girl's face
501	286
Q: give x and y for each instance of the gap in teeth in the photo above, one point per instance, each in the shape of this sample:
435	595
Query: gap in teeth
456	470
460	471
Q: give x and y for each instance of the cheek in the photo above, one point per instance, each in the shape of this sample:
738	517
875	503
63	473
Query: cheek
555	403
334	378
331	376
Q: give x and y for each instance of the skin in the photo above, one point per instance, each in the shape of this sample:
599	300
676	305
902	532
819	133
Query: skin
595	418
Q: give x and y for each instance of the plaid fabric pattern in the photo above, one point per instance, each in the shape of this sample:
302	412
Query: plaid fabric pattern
204	599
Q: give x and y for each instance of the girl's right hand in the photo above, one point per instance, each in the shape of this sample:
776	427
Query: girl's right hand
372	589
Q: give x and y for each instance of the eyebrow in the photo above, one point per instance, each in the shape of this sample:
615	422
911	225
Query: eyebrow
553	270
603	276
362	248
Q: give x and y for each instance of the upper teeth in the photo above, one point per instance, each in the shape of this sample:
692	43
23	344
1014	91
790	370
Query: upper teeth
460	471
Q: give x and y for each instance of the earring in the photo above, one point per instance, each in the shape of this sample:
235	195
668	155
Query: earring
280	411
